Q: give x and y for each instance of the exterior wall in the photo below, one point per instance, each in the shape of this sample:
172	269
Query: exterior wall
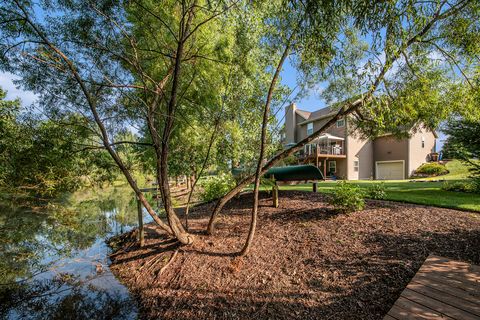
367	152
389	148
302	129
290	124
341	167
416	154
362	151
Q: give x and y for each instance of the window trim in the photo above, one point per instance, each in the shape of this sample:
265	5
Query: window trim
309	127
330	166
342	121
356	167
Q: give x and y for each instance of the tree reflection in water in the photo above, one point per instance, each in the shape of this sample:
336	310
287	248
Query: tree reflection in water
54	261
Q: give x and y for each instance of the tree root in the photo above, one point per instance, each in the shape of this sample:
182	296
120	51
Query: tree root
172	257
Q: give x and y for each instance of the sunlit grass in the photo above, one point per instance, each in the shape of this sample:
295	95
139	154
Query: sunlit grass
426	193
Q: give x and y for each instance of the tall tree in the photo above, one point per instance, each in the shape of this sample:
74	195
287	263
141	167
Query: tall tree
142	64
396	33
463	142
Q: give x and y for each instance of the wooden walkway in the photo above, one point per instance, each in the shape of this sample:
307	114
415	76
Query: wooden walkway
441	289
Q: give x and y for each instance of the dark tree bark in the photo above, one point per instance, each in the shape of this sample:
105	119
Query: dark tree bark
162	155
263	140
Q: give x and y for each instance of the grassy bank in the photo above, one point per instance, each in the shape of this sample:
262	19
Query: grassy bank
426	193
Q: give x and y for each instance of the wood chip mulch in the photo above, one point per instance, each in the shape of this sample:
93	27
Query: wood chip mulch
306	263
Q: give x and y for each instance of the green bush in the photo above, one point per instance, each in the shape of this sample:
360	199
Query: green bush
472	186
377	191
347	197
431	169
215	187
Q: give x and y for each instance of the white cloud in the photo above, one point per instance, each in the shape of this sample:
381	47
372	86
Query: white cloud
13	91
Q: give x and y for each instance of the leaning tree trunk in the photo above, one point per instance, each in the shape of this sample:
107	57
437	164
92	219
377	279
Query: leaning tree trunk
93	108
345	110
246	181
263	140
199	175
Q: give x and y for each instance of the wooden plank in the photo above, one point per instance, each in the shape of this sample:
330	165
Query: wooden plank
456	283
438	306
441	289
434	263
388	317
457	302
448	289
410	308
453	264
403	314
455	273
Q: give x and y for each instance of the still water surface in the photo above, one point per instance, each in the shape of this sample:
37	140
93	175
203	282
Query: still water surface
54	261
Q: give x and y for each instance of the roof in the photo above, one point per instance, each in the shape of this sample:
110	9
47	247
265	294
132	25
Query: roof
319	114
329	136
304	114
324	112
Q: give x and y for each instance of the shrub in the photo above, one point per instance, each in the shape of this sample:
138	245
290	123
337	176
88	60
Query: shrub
462	186
347	197
377	191
431	169
215	187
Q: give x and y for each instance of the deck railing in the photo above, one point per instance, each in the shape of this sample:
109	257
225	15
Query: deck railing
322	149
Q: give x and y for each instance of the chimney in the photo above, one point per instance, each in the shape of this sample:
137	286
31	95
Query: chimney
290	123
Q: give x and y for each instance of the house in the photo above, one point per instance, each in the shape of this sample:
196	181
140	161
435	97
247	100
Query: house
343	154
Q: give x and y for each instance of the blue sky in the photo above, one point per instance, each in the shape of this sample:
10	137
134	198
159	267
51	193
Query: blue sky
311	102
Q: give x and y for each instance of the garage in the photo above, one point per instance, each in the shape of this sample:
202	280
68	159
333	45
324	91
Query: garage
390	170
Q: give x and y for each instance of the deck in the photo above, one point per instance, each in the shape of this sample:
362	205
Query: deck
441	289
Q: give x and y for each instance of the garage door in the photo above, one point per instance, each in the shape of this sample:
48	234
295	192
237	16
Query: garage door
390	170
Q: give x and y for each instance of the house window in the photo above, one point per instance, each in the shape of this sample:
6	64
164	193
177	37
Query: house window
309	128
355	165
332	166
423	142
308	149
340	123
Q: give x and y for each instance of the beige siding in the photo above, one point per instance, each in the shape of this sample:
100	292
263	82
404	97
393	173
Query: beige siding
341	167
362	151
290	124
302	129
417	154
389	148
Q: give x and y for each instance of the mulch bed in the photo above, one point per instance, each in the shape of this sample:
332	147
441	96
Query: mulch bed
306	263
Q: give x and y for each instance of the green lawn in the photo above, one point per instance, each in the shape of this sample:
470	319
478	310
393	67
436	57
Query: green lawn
427	193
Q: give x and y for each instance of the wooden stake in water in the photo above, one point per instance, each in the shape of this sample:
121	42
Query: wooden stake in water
140	237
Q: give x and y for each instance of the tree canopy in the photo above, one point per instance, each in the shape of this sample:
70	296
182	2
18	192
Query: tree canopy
187	75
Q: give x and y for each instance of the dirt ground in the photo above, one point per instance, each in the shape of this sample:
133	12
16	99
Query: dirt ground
306	263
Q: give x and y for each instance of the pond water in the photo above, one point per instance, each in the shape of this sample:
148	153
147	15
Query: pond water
54	261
